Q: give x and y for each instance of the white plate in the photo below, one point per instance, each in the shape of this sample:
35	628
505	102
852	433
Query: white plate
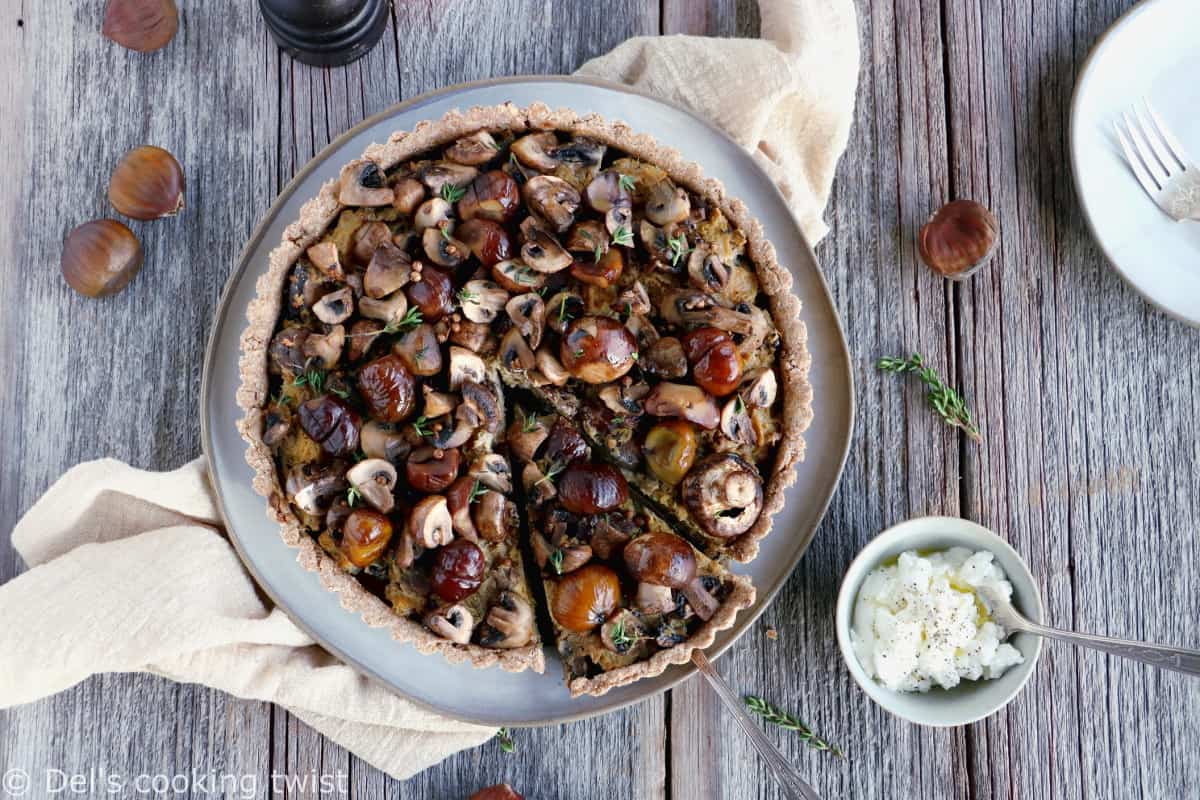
493	696
1152	51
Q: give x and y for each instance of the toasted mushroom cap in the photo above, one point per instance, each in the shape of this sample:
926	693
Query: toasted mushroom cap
312	491
700	599
324	257
388	309
761	388
550	367
375	479
543	253
495	516
430	524
510	621
528	314
605	191
363	183
562	309
381	440
446	173
666	203
458	501
447	437
492	471
642	329
735	422
454	623
693	308
327	348
474	150
389	270
706	271
517	277
479	406
581	151
535	150
515	354
654	599
552	199
335	307
367	239
482	301
474	336
431	213
588	236
409	194
665	358
686	402
724	493
620	218
573	557
465	365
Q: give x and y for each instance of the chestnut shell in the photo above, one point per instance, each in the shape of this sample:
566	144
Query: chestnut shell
146	184
100	258
959	238
388	388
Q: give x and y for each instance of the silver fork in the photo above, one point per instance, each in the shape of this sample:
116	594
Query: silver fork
1158	160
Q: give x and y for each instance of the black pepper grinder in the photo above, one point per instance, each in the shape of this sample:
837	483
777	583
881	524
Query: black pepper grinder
325	33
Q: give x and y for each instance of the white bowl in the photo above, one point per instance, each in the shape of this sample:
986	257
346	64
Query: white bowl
970	700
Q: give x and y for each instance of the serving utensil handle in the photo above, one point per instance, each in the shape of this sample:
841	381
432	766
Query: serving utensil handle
789	780
1177	659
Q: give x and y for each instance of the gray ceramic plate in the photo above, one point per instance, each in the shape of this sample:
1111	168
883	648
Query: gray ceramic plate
459	691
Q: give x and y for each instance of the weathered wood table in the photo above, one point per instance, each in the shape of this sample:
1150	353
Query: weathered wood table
1089	398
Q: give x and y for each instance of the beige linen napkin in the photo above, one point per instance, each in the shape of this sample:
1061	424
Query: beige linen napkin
129	571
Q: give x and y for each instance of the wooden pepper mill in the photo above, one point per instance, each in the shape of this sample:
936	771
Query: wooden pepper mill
325	32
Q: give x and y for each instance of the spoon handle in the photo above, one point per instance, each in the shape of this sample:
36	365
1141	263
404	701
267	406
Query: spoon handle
790	782
1178	659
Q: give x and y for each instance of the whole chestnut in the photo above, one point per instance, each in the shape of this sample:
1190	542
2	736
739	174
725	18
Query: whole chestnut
388	388
491	195
100	257
671	448
716	363
365	535
432	294
141	25
959	238
592	488
430	470
331	423
584	598
146	184
458	570
602	272
598	349
486	240
662	559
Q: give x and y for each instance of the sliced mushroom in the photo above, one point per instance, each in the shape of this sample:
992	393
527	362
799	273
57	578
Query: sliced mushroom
367	239
700	599
535	150
389	269
474	336
665	358
335	307
525	435
387	310
381	440
464	366
643	330
495	516
454	623
447	437
543	253
624	400
482	301
550	367
706	271
429	524
409	192
760	328
510	622
406	552
446	173
693	308
375	480
634	300
327	348
552	199
619	221
492	471
275	428
517	277
311	491
324	257
655	240
685	402
419	350
515	354
724	493
363	334
621	632
736	424
581	151
666	203
443	249
528	314
573	557
562	309
432	213
588	236
606	191
363	183
474	150
607	539
286	351
458	501
437	403
654	599
480	407
538	489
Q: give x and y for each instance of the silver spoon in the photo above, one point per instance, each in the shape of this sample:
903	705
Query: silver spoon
789	779
1178	659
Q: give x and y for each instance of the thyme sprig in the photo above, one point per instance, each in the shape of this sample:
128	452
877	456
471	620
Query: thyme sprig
556	560
789	722
552	472
452	193
623	236
478	490
312	378
626	182
353	496
530	423
946	402
421	426
679	248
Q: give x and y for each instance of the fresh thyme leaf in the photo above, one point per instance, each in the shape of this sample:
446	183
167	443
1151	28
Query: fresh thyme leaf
477	490
504	738
620	637
445	233
626	182
635	355
452	193
783	719
420	355
411	319
679	248
340	392
530	423
562	309
466	296
623	236
597	253
312	378
739	405
353	495
552	472
556	560
421	426
946	402
579	353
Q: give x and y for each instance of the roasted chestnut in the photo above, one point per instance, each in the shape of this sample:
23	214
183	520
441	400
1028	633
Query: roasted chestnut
601	273
591	488
491	195
388	388
671	448
719	371
147	183
959	238
331	423
486	240
365	535
420	350
100	258
458	570
662	559
430	470
141	25
597	349
584	598
564	445
699	341
432	294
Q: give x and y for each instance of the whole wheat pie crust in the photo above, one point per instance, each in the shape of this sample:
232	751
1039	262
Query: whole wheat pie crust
519	342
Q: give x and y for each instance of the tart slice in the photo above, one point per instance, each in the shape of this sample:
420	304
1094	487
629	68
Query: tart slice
626	596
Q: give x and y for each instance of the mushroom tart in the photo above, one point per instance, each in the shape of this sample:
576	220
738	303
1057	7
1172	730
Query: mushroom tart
587	271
